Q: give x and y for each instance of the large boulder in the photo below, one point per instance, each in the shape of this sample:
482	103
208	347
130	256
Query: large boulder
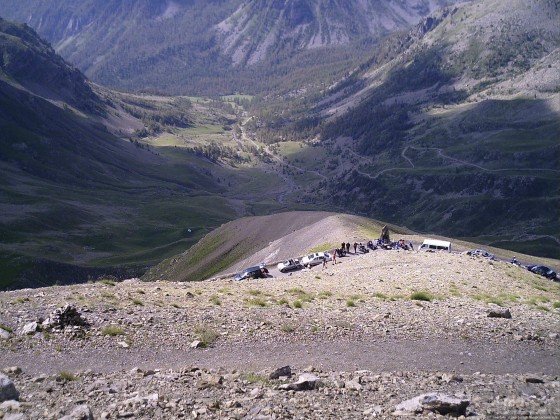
8	390
306	382
499	313
433	402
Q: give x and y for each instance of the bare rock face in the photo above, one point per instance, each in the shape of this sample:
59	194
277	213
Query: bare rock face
8	390
434	402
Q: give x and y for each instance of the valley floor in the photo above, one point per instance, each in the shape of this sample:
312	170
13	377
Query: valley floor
359	326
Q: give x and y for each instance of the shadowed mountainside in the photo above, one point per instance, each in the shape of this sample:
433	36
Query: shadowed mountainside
213	48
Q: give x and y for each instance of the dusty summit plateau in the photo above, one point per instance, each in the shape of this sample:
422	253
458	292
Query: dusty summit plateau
370	332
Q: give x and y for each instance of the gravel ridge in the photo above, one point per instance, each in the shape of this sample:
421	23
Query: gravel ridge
206	349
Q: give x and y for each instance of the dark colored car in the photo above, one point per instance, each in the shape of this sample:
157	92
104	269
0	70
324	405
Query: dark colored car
544	271
256	272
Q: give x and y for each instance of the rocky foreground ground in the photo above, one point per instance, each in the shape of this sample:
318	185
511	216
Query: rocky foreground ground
361	338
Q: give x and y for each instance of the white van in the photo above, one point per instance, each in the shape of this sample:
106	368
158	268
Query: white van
435	245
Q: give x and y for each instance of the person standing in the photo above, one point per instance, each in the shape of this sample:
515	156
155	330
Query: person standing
355	246
348	247
334	257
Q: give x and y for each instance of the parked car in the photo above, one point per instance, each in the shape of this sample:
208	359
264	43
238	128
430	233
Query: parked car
256	272
435	245
481	253
315	258
544	271
289	265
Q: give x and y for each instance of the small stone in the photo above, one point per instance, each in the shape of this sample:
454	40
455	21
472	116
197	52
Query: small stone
499	313
533	380
197	344
81	412
8	390
257	393
553	336
30	328
283	371
4	335
306	381
12	370
352	385
449	377
123	345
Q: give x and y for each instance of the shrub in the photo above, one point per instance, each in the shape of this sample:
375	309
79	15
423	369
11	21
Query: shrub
107	282
297	304
350	303
215	300
66	376
112	331
6	328
424	296
138	302
288	328
206	334
256	302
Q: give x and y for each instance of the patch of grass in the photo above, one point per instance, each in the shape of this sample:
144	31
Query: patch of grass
380	295
539	287
283	301
112	331
322	248
556	304
542	308
297	304
176	305
137	302
489	299
6	328
256	302
108	295
107	282
350	303
225	291
318	277
288	328
20	300
325	295
64	375
254	292
253	378
423	296
300	294
215	300
206	334
140	292
344	324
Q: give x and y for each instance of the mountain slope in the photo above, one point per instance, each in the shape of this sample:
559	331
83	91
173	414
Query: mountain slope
73	194
452	127
214	47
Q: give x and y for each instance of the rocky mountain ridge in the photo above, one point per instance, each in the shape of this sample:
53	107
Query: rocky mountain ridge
172	46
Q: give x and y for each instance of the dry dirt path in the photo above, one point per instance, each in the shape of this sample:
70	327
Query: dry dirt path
380	356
